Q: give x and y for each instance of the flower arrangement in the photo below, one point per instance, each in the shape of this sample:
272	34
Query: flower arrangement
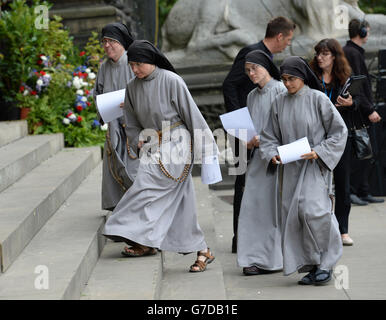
83	82
75	110
54	79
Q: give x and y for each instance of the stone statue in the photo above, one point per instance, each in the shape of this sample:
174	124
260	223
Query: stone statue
199	32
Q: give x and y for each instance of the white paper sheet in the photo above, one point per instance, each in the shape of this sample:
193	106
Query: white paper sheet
108	104
292	151
210	170
236	120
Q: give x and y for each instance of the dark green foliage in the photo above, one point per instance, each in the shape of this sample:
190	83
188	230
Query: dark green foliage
373	6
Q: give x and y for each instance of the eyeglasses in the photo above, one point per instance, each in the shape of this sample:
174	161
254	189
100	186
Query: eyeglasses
323	54
111	42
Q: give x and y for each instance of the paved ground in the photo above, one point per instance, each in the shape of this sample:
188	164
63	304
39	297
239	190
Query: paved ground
360	273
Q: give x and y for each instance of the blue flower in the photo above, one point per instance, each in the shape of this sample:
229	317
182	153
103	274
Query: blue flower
95	123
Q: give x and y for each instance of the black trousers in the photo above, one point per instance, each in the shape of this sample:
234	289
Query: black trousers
237	197
342	187
359	177
239	190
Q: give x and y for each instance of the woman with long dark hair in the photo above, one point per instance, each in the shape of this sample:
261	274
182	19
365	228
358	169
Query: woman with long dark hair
333	69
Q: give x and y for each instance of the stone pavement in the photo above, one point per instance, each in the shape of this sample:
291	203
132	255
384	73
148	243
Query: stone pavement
51	243
358	275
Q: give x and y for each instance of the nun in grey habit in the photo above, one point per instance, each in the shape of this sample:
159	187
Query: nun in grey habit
159	210
120	164
259	240
310	233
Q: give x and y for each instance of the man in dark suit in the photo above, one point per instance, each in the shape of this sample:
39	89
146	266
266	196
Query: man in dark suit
237	85
359	32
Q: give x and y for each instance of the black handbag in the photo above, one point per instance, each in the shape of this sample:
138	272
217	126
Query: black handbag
361	141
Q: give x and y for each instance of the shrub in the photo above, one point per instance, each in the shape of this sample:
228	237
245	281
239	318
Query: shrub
42	70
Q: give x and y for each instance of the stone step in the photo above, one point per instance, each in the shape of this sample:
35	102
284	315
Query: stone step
32	200
119	278
177	282
21	156
12	130
58	261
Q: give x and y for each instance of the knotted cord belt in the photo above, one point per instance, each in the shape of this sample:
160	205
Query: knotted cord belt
128	145
185	172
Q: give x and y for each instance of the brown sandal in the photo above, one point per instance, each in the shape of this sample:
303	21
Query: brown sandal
137	251
202	264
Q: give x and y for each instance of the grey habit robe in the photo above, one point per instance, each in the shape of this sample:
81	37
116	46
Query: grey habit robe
157	211
259	238
310	233
119	169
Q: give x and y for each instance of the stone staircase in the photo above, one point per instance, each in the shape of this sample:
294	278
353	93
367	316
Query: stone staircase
51	245
50	216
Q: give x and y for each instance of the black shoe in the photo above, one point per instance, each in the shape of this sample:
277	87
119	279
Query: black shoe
356	200
254	271
322	277
308	279
371	199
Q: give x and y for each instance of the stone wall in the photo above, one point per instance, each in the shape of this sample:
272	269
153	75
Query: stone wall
84	16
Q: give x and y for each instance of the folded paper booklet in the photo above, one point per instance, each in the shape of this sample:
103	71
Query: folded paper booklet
293	151
108	104
210	170
239	123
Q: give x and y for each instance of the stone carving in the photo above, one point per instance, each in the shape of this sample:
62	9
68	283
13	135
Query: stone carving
213	31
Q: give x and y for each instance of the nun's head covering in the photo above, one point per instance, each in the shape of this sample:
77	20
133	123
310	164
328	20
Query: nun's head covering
118	31
298	67
262	59
146	52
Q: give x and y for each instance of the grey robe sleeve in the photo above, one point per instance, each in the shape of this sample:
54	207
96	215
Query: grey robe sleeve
132	127
249	102
331	149
193	119
98	89
270	137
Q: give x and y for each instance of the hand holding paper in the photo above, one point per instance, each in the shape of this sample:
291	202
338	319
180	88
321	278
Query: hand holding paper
108	104
295	150
310	156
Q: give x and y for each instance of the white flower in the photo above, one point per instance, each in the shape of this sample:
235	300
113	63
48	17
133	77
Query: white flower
76	83
66	121
88	70
79	92
39	82
84	99
91	75
63	57
104	127
72	117
83	83
44	58
25	93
